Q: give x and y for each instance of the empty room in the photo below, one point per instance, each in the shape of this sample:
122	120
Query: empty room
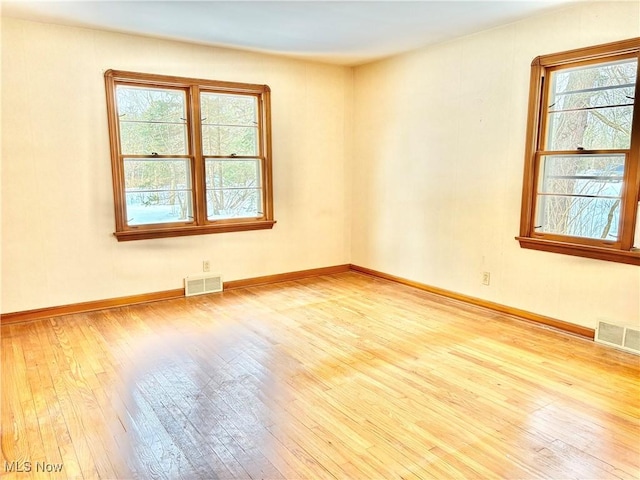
320	240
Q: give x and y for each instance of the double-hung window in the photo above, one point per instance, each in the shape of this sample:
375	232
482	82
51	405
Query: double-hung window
582	164
189	156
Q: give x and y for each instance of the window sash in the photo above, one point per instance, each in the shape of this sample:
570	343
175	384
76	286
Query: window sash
586	240
161	201
550	75
217	189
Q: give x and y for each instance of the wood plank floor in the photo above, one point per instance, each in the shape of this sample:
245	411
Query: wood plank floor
342	376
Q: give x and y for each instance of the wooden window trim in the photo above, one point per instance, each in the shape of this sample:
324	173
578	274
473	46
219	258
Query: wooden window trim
622	250
192	87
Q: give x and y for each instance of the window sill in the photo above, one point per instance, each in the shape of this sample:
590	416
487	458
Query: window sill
146	233
578	250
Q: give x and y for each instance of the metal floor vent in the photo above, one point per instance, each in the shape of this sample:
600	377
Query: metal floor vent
626	338
201	284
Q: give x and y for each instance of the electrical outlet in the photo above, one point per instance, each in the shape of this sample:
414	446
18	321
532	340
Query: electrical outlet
206	266
486	278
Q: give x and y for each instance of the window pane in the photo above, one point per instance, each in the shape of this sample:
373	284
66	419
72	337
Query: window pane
229	140
229	124
591	107
230	173
147	138
234	203
158	190
227	109
579	195
152	121
233	188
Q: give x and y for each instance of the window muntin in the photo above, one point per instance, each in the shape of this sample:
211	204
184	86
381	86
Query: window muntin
188	156
582	172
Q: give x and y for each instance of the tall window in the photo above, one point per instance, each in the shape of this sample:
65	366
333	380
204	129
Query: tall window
582	165
188	156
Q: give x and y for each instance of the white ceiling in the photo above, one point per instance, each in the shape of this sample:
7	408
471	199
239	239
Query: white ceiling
342	32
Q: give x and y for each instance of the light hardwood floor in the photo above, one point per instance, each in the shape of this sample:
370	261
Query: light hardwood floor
342	376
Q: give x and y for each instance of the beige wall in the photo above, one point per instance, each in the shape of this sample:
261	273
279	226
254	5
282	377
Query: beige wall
57	216
439	136
411	166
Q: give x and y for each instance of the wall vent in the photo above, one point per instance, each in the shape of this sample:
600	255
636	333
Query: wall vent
626	338
201	284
